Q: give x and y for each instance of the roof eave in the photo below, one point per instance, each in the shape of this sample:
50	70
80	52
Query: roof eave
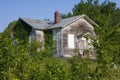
90	20
25	22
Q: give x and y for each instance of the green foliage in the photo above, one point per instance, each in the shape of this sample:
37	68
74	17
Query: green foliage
56	69
36	63
48	41
8	30
48	36
21	33
80	69
107	47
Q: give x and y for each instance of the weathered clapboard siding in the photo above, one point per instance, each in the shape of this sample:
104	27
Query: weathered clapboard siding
69	34
36	35
57	41
39	35
77	28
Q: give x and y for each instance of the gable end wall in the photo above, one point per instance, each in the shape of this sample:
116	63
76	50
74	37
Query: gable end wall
80	26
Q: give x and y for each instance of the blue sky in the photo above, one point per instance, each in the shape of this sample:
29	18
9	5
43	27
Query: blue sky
11	10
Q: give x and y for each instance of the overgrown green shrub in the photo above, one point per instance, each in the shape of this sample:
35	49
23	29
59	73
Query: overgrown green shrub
48	41
21	33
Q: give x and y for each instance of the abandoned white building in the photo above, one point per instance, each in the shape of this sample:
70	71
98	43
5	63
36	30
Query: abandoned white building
69	34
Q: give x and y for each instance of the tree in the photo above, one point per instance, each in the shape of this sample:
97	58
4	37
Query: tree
32	62
106	15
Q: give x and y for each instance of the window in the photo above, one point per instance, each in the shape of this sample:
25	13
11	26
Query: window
71	41
83	43
32	36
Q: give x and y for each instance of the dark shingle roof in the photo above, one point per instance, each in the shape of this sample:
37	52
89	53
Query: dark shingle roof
35	23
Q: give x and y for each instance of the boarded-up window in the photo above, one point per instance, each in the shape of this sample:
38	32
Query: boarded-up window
39	35
71	41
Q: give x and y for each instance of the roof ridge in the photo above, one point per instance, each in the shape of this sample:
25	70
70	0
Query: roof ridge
30	19
42	24
35	23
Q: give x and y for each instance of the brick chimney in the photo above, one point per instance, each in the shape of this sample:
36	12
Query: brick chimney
56	17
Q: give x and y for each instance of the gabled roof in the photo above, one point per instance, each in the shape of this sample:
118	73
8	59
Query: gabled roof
35	23
67	21
39	24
